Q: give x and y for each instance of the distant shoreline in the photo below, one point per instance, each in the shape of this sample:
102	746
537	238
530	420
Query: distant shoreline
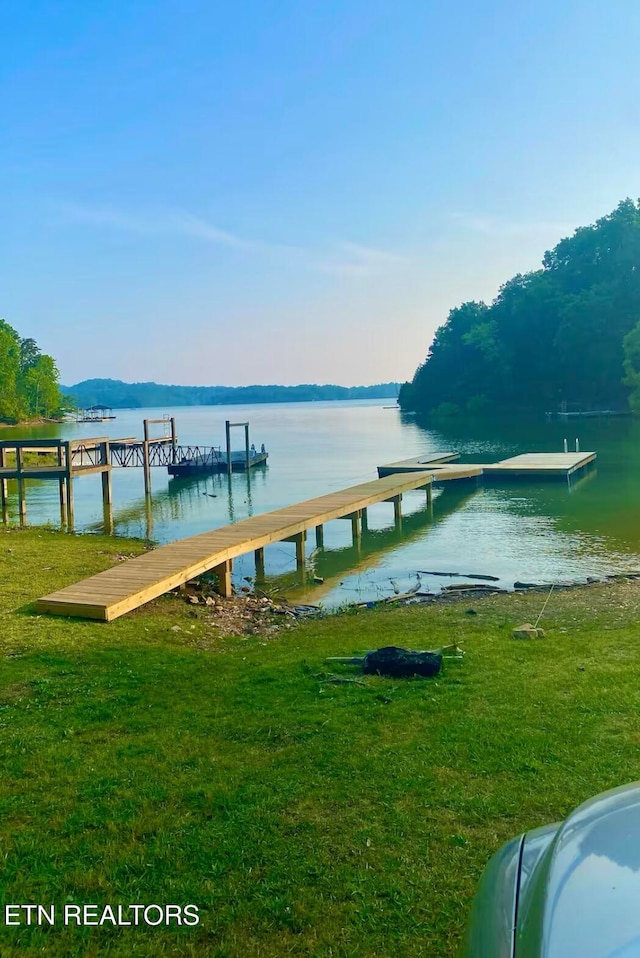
26	423
121	395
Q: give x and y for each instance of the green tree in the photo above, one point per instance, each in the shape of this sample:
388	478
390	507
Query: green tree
631	344
11	405
29	354
553	334
42	393
29	379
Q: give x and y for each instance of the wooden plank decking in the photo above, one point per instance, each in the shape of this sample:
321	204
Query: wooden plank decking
416	463
129	585
540	464
133	583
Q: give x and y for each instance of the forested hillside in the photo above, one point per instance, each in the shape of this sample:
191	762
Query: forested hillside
566	333
28	379
119	395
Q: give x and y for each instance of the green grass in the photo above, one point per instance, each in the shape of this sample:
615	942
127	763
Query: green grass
142	764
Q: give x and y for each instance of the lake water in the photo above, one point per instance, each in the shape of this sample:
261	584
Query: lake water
539	531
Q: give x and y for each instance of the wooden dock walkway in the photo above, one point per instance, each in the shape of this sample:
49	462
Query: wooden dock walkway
133	583
126	586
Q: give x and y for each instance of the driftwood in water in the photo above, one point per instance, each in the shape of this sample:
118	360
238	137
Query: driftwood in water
462	575
401	663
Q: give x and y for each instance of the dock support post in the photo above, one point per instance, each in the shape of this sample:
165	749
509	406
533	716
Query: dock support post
174	439
3	488
364	521
148	515
246	446
227	427
319	537
300	556
259	557
397	509
107	496
63	502
62	489
107	492
355	526
68	462
70	512
223	572
22	503
145	459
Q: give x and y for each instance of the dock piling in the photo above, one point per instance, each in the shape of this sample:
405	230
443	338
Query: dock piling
3	488
300	551
145	454
174	438
223	572
70	510
356	529
22	502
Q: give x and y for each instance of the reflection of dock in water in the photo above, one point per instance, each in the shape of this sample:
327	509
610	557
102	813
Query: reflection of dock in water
366	554
183	498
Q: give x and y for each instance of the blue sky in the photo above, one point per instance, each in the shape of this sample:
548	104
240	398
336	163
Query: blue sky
278	191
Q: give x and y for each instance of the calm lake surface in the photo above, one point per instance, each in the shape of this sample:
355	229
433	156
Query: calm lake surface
531	531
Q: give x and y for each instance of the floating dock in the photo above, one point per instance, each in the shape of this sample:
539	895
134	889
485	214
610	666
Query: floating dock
541	465
531	465
213	461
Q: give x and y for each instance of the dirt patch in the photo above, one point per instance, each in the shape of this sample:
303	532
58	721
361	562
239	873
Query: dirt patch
250	613
14	692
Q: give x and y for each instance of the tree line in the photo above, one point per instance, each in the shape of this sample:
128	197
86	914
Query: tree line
566	336
120	395
29	379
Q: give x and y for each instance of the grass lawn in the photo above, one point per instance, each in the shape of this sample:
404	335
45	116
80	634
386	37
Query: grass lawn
147	764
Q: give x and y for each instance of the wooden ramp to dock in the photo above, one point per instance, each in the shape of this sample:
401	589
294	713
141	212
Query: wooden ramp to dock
416	463
132	583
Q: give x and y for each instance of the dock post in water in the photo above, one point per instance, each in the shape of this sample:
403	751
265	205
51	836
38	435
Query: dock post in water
3	488
174	438
319	537
259	558
227	429
356	528
145	459
69	486
22	502
300	551
62	486
397	510
107	494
